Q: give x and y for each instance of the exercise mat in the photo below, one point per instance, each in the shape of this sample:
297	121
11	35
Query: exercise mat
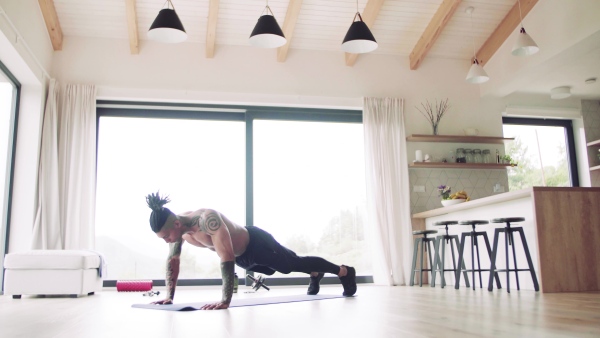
237	302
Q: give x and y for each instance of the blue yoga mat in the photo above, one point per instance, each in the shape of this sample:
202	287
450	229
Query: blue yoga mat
237	302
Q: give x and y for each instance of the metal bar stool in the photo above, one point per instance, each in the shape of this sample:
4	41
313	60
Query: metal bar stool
439	262
425	243
474	248
509	241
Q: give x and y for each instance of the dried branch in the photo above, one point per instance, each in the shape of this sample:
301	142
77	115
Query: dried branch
434	116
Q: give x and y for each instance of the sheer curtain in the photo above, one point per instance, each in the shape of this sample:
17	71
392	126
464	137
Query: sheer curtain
388	198
67	174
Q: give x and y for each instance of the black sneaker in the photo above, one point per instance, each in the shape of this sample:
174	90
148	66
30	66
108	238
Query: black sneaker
349	282
313	287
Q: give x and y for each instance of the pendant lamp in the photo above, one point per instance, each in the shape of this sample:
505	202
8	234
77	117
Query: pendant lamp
167	27
524	45
476	73
359	38
267	33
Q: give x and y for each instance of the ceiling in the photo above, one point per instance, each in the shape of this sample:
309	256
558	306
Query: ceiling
405	28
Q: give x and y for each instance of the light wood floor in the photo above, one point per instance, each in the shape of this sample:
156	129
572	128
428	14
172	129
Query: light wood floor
376	311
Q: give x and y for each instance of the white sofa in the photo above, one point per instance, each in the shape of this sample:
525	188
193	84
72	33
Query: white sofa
53	272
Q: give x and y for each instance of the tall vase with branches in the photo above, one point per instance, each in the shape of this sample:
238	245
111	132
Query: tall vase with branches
434	114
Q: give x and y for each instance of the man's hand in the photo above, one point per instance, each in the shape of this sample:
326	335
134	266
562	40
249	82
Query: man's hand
163	302
215	306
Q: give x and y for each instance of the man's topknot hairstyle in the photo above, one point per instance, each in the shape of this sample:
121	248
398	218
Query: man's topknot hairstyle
159	214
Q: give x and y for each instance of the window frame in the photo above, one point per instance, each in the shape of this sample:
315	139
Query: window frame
569	139
224	113
10	162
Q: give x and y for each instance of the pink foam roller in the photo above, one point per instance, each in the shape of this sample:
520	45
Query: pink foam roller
134	285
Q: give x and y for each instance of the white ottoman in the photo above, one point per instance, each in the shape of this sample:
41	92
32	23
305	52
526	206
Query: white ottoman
53	272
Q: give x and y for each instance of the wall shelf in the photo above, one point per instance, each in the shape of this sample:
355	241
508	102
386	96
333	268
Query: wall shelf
594	144
458	165
595	168
458	139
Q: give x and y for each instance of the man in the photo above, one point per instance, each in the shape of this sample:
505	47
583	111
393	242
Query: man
249	247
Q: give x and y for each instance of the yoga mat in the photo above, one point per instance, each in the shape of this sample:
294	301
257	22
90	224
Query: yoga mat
237	302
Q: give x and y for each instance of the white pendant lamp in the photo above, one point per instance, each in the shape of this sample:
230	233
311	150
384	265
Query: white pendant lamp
359	38
267	33
524	45
167	27
476	73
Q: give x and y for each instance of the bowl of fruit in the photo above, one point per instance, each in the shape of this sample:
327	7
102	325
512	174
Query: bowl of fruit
456	198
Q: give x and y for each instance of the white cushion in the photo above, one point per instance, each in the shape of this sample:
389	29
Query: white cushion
52	259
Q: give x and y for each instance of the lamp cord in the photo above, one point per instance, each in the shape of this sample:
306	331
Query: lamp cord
520	15
473	38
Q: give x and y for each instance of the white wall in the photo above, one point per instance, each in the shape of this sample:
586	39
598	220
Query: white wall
26	17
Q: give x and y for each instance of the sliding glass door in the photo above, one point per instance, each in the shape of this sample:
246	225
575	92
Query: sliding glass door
9	98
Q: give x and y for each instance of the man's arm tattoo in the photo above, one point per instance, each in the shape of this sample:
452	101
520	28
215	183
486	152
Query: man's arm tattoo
210	221
228	276
173	268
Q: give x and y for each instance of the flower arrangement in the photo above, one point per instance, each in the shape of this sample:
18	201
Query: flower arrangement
444	191
434	115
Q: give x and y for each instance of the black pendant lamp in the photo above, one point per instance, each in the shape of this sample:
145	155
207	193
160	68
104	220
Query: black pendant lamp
167	27
359	38
267	33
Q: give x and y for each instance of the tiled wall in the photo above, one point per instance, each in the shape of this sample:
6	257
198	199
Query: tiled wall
591	120
477	183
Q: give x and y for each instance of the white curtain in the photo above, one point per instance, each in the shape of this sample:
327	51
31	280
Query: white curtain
67	177
388	198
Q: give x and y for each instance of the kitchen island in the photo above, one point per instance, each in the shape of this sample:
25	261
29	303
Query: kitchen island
562	227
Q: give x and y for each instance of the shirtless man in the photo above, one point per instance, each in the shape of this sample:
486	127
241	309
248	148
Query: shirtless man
249	247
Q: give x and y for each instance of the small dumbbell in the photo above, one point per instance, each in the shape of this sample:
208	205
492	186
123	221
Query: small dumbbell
151	293
258	282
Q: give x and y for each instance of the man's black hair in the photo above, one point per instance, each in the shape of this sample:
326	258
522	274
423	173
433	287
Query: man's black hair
159	214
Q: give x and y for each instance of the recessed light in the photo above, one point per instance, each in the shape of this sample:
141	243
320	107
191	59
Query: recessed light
590	80
560	93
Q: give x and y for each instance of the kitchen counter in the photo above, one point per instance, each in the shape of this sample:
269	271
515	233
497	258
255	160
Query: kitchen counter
562	228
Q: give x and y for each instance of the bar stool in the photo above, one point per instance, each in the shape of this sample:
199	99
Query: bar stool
439	262
509	240
474	248
425	243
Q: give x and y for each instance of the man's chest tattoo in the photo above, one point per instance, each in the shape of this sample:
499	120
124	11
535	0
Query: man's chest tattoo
208	222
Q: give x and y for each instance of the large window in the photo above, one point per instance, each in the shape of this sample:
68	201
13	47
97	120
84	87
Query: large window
298	174
9	98
310	189
544	152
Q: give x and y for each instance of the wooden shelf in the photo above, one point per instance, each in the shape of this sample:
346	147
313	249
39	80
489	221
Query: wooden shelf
595	168
458	165
457	139
594	144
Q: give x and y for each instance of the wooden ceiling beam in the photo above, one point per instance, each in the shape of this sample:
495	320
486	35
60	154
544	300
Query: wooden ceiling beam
132	27
291	17
503	31
52	23
432	32
369	15
211	29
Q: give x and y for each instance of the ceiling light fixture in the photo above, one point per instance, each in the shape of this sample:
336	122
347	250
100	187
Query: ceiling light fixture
524	45
359	38
167	27
267	33
559	93
476	73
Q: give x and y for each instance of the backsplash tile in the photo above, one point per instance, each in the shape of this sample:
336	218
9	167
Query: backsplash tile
478	183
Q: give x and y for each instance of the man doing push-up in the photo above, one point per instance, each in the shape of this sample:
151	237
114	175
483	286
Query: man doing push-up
249	247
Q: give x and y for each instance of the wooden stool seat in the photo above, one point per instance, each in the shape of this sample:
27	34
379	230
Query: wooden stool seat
508	220
424	232
445	223
473	222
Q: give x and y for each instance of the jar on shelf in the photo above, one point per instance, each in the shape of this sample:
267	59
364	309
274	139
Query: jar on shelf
477	158
468	155
486	156
460	156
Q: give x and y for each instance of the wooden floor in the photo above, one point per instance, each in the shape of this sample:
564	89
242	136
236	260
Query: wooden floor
376	311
